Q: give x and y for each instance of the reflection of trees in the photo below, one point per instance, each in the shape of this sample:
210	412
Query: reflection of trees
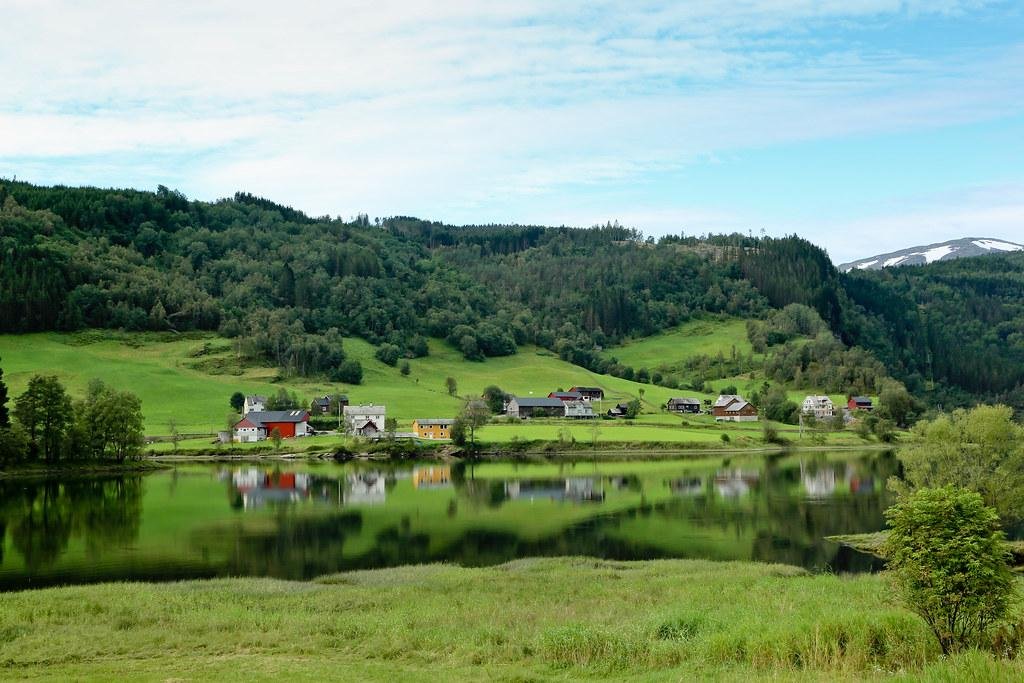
44	516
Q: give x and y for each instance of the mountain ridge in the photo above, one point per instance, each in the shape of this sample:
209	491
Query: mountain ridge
963	247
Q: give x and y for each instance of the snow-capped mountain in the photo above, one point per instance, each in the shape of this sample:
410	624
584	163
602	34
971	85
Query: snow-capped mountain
943	251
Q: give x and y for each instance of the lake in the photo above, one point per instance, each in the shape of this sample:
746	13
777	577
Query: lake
300	520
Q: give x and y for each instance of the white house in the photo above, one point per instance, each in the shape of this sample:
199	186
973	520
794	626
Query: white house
819	406
254	404
580	409
365	420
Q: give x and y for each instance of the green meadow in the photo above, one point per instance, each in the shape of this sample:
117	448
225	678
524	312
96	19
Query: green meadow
697	337
188	379
536	619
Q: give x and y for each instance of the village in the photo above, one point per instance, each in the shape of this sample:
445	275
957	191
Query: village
370	421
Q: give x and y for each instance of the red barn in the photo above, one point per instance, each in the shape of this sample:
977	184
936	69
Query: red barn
859	403
257	426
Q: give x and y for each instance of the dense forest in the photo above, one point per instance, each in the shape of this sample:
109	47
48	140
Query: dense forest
287	287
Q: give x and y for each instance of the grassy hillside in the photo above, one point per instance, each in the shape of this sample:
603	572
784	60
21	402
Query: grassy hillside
561	619
190	378
697	337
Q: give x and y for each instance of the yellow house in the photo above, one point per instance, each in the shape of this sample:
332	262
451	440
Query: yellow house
432	429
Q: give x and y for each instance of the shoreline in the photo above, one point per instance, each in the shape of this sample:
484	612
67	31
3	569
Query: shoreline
154	462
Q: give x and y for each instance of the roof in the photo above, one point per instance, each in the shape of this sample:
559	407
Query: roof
819	398
860	399
364	410
443	421
737	406
571	395
259	418
726	399
360	424
258	399
322	400
685	399
587	389
537	402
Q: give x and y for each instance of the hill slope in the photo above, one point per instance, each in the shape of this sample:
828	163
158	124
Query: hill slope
940	251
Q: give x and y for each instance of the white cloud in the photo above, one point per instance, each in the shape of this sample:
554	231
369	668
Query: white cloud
453	109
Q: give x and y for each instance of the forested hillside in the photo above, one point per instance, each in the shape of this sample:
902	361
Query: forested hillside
286	287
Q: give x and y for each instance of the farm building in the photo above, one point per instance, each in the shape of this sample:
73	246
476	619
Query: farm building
432	428
327	405
732	408
620	410
254	404
819	406
259	425
860	403
523	407
580	410
566	396
367	420
589	393
683	405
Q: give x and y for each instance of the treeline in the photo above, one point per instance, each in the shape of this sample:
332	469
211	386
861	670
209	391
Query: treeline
286	287
45	424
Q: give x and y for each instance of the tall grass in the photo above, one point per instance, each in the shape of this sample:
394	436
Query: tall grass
567	618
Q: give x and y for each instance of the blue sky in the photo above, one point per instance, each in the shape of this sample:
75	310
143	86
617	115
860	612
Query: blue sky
864	125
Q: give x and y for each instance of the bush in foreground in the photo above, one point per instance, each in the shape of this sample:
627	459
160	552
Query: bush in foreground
949	559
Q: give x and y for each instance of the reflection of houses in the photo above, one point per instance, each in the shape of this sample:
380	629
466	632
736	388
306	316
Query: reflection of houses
365	488
686	486
524	408
432	428
732	408
257	487
260	425
580	410
577	489
819	406
683	405
432	477
820	483
735	483
365	420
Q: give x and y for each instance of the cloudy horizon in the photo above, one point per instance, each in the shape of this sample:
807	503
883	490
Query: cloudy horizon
865	126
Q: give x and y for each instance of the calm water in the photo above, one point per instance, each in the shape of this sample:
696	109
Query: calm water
299	521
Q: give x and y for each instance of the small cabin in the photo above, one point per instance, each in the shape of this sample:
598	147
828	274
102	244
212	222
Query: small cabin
683	405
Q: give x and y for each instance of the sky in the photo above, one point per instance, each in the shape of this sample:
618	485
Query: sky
862	125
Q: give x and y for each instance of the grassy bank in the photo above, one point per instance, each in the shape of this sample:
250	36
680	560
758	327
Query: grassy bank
562	619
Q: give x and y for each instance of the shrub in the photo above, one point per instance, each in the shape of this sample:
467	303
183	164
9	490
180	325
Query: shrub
388	354
950	563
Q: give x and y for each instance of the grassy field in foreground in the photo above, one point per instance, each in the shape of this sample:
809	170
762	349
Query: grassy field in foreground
544	619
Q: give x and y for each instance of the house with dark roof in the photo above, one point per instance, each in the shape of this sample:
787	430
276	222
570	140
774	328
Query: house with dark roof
260	424
365	420
683	405
525	407
254	403
589	393
327	405
620	410
732	408
860	403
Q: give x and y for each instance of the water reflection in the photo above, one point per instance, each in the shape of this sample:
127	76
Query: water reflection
298	521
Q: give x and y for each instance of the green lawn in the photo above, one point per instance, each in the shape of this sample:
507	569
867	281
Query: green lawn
697	337
539	619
